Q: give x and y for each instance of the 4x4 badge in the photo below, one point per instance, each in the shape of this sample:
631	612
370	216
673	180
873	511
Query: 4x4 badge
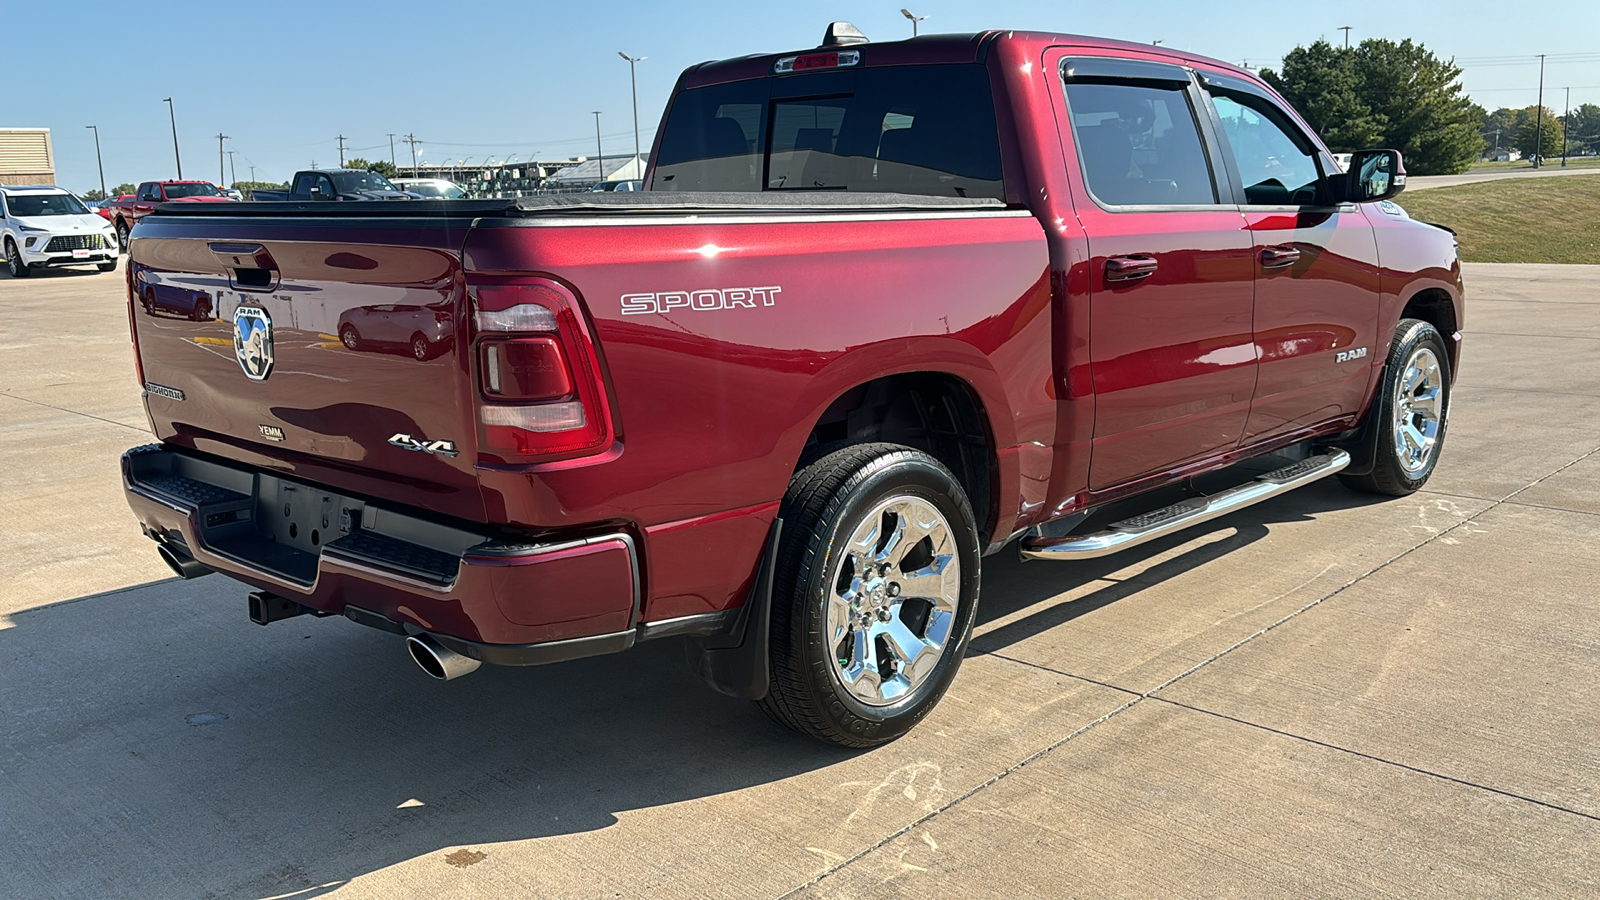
434	448
252	342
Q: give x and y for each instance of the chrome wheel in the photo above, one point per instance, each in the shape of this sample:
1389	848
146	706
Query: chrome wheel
13	260
1418	410
893	602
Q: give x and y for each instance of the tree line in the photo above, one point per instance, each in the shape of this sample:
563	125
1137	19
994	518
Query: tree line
1400	95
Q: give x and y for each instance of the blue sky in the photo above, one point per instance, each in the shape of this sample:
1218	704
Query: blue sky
488	79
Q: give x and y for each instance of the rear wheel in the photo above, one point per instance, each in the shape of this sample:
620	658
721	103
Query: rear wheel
1412	407
122	235
14	263
202	311
876	588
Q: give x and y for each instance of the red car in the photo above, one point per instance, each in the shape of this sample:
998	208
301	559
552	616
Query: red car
104	209
881	309
130	208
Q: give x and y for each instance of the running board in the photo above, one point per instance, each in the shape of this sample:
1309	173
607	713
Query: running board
1148	526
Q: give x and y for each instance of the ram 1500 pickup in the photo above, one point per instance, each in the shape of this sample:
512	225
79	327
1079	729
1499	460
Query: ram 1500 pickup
125	211
334	184
881	310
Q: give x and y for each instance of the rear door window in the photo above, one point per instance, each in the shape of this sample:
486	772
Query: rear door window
1139	144
911	129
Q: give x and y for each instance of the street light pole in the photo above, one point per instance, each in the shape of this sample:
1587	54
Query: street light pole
599	150
391	150
914	20
233	173
1538	119
102	165
175	155
1564	117
633	73
1346	30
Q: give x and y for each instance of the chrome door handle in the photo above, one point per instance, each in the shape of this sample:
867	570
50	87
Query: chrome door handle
1130	268
1278	257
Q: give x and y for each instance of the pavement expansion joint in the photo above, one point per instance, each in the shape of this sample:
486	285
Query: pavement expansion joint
73	412
1138	698
1379	759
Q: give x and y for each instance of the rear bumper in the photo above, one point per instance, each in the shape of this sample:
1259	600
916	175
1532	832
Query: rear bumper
497	601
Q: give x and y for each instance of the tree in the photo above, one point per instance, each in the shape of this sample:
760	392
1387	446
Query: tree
1583	129
94	194
1542	124
1499	129
1322	83
1384	94
124	188
1427	115
247	187
386	169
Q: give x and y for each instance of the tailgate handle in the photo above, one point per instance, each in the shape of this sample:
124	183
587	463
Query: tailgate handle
251	265
1130	268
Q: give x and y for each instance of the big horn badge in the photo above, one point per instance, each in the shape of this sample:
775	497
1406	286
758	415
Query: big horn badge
252	342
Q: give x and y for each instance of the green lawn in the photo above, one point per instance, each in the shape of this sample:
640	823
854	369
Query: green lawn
1535	220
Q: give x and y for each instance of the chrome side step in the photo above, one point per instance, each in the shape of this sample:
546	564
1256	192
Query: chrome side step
1132	532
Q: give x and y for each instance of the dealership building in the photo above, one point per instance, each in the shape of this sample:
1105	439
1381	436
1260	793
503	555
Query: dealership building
26	157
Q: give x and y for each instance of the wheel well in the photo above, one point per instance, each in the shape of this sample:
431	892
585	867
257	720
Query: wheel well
934	412
1434	307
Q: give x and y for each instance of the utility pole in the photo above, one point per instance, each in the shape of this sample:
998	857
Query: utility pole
391	150
252	174
599	150
222	172
914	20
233	173
412	140
1565	116
633	72
175	155
341	151
1346	30
103	165
1538	119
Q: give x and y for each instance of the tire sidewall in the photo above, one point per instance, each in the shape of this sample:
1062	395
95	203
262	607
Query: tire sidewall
1417	334
877	481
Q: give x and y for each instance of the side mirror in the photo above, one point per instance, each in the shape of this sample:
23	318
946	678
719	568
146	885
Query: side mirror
1374	175
316	194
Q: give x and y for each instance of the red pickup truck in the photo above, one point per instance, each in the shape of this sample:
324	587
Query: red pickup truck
128	209
882	309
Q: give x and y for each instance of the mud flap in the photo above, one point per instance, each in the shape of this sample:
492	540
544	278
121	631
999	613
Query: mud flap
736	663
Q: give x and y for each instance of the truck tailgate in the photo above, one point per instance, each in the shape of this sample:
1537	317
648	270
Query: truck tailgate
327	348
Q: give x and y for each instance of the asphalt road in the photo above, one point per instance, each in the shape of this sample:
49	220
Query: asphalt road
1423	182
1322	696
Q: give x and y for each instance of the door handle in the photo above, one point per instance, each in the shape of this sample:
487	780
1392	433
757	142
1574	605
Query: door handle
1130	268
1278	257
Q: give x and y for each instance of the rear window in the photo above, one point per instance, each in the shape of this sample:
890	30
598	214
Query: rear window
912	129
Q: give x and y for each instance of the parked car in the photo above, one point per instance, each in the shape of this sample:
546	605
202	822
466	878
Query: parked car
335	184
625	185
126	211
431	188
884	309
43	226
104	207
165	299
423	331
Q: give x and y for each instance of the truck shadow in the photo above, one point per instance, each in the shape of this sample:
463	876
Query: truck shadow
288	760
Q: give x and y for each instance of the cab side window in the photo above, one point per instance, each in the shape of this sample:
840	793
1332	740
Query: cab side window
148	192
1276	164
1139	145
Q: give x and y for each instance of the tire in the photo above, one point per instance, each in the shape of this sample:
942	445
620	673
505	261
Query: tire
350	337
122	235
14	263
420	350
850	654
202	311
1413	410
107	267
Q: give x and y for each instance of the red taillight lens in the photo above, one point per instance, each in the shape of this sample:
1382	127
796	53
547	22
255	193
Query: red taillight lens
540	394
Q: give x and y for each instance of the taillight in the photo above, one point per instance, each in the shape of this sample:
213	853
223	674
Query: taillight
539	391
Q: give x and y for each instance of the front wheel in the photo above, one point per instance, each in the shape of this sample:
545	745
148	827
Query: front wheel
350	338
14	263
1412	407
419	348
107	267
876	588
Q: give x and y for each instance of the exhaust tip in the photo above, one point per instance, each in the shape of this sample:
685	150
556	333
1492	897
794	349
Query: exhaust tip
439	661
182	564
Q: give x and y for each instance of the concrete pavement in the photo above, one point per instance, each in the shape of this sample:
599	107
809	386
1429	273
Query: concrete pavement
1423	182
1325	695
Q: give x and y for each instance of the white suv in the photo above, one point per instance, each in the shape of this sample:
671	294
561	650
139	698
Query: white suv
41	225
